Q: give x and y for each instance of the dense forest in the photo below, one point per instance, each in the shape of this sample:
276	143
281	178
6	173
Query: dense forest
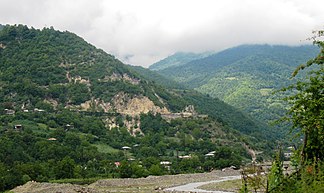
247	77
305	113
62	115
178	59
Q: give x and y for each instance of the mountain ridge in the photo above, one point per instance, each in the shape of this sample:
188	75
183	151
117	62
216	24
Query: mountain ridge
177	59
199	71
70	110
248	73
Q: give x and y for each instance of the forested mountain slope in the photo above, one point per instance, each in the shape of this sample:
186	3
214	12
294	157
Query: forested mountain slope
197	72
156	77
177	59
245	76
70	110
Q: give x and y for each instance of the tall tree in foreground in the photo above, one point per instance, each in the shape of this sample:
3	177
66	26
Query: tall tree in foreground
307	117
307	110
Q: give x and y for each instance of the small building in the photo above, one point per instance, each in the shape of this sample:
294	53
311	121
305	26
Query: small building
9	112
52	139
185	156
68	127
39	110
291	148
288	154
18	127
126	148
166	164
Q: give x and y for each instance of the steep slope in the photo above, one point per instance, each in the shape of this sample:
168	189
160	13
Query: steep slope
52	69
197	72
156	77
177	59
245	76
60	67
69	110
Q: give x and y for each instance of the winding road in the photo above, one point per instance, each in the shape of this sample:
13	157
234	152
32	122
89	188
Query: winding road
193	187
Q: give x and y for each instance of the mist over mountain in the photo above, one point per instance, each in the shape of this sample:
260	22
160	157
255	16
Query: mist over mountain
177	59
66	106
245	76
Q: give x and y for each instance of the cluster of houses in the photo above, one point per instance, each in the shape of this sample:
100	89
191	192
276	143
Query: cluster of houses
166	164
189	111
13	112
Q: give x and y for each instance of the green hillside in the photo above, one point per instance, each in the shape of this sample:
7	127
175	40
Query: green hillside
177	59
245	76
156	78
68	108
197	72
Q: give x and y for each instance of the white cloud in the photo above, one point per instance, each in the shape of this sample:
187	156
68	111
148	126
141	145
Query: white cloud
143	31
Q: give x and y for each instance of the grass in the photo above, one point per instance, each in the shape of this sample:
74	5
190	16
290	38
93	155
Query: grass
104	148
266	91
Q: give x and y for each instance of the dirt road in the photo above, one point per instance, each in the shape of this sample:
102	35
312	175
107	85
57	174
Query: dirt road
193	187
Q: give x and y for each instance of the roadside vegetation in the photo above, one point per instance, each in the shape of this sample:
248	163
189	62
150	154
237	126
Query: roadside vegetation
306	114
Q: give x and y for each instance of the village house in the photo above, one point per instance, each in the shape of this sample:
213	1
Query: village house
18	127
166	164
9	112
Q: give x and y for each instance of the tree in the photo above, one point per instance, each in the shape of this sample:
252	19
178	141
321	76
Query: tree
125	169
307	110
307	116
65	168
275	177
156	170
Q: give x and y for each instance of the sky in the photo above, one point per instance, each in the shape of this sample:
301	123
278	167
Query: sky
141	32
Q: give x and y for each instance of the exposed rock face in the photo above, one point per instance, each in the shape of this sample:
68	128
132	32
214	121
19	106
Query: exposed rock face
136	105
96	105
134	126
77	79
126	77
124	104
127	106
52	102
86	105
2	46
111	123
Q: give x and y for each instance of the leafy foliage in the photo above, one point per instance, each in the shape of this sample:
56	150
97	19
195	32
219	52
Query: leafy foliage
177	59
246	77
45	74
306	114
156	78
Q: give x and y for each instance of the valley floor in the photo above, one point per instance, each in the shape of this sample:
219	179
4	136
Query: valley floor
149	184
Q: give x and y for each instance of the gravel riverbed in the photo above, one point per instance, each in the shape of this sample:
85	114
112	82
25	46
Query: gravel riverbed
148	184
